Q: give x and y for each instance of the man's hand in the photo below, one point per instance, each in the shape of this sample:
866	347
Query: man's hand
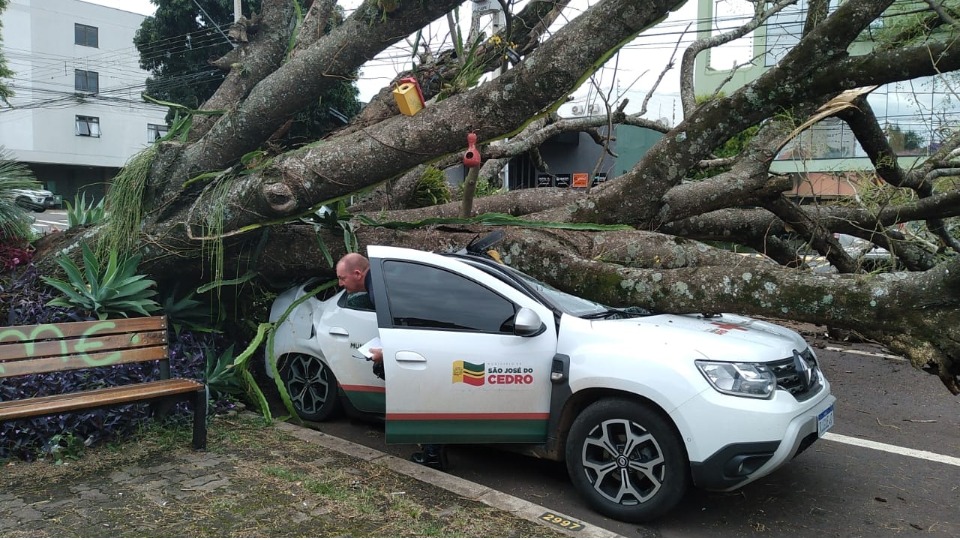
376	355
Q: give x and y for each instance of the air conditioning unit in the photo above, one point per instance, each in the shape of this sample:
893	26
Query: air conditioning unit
577	109
486	5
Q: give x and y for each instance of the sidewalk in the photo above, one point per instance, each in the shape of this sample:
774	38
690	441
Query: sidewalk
256	481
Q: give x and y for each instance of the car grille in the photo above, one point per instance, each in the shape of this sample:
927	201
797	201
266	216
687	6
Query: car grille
791	377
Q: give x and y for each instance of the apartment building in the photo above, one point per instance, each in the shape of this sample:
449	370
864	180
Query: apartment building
77	115
825	161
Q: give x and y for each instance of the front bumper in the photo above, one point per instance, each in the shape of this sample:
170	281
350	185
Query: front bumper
38	203
754	445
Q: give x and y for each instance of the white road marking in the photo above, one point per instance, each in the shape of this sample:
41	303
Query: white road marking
921	454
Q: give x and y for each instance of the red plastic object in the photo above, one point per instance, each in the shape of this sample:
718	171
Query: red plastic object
472	157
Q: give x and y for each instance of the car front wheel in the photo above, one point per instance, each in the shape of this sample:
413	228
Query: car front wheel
27	204
627	460
311	385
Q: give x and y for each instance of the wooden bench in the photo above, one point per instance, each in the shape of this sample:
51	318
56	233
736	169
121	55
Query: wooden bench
46	348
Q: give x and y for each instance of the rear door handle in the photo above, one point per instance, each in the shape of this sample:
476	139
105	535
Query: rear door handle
337	331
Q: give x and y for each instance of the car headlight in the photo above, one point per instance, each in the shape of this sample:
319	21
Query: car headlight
739	378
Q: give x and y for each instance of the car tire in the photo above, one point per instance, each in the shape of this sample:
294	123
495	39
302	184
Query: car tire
311	385
26	204
627	460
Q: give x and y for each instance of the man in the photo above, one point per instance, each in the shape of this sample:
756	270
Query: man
353	274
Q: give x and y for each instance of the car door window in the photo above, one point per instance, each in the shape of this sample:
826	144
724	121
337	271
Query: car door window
423	296
358	300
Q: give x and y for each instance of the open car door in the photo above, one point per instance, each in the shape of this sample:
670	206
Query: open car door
467	356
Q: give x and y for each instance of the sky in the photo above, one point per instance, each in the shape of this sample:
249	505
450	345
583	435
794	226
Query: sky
143	7
632	73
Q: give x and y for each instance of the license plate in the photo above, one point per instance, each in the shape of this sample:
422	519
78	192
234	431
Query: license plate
824	421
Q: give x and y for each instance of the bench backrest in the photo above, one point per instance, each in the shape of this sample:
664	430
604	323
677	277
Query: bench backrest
42	348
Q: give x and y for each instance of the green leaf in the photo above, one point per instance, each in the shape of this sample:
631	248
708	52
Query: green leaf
73	272
491	219
135	287
91	267
220	283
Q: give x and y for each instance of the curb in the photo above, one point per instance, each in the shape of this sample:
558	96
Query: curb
464	488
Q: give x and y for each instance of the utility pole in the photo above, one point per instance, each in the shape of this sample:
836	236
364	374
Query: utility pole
237	11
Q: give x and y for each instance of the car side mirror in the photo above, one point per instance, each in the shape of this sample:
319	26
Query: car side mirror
527	323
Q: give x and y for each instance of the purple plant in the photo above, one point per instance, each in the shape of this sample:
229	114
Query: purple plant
24	300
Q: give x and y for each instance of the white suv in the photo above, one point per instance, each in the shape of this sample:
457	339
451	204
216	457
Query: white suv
637	404
37	200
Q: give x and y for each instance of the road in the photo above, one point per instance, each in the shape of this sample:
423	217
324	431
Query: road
833	489
49	220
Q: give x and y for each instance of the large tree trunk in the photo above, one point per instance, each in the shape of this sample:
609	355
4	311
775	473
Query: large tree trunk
203	192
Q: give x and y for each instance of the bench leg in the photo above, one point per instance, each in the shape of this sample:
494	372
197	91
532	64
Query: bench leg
200	419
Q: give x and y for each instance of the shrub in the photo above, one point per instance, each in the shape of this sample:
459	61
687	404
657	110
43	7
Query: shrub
12	256
114	290
189	312
81	214
15	222
432	188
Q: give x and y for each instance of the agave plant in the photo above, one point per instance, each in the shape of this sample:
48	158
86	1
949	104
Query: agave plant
80	213
189	312
114	290
220	374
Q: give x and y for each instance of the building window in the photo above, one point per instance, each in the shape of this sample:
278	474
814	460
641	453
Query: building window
727	15
155	132
85	35
86	81
88	126
785	28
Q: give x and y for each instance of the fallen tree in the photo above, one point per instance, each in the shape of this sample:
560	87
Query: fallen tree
638	239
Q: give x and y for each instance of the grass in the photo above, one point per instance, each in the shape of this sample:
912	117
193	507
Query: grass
254	481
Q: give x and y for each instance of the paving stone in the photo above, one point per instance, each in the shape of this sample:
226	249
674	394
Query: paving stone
56	504
26	514
93	495
163	467
151	486
300	517
202	483
120	476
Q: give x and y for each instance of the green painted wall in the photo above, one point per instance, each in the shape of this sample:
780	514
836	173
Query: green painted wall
632	143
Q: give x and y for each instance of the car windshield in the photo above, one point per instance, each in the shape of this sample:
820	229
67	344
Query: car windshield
567	303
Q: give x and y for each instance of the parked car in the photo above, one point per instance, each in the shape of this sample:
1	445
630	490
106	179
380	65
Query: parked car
638	405
37	200
869	255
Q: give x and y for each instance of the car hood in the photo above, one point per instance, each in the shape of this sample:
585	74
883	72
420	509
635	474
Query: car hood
725	337
34	192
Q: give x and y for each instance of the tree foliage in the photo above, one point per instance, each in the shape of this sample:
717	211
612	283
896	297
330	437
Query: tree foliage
14	220
636	239
5	72
182	43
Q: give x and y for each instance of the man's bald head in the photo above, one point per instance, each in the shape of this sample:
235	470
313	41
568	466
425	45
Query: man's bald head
351	271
